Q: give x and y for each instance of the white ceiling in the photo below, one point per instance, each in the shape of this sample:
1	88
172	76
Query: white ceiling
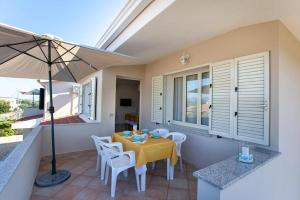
186	22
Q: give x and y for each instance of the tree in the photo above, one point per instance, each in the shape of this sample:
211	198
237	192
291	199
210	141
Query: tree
4	106
25	104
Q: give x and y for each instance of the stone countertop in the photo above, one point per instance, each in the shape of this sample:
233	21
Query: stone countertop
226	172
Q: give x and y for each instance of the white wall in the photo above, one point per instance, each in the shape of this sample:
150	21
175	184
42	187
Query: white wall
87	79
23	165
279	179
31	112
200	148
64	100
109	91
71	137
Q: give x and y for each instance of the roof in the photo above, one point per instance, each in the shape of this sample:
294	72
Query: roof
65	120
165	27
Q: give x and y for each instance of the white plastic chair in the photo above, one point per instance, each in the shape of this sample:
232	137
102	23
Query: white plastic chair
161	131
118	162
100	156
178	138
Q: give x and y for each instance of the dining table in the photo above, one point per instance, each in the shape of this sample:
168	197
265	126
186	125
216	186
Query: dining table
150	150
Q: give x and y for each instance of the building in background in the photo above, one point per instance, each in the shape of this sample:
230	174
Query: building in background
65	99
13	102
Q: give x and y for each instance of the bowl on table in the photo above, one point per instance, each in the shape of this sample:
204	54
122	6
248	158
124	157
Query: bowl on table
136	138
155	135
126	133
145	131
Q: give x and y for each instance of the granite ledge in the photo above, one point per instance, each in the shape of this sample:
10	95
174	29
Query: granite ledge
226	172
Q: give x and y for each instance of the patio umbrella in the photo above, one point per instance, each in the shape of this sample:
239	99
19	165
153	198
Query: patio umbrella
25	54
30	92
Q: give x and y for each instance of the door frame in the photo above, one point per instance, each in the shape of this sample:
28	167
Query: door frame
140	98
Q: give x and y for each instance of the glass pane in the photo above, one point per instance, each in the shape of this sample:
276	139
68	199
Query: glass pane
191	98
177	106
205	98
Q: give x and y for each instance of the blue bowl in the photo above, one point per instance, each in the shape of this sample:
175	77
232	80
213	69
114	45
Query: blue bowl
155	134
126	133
136	138
145	131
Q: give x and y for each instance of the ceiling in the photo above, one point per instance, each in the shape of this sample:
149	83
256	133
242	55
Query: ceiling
186	22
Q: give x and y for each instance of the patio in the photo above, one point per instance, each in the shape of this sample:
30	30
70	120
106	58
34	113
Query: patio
85	183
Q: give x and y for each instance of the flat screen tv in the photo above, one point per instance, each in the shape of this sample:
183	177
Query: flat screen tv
125	102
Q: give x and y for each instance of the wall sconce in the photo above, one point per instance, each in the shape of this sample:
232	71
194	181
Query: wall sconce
185	59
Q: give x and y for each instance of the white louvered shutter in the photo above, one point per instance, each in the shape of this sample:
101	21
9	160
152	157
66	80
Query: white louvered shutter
157	99
222	80
93	100
252	93
80	101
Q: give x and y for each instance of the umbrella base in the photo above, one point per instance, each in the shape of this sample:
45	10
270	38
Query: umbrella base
49	179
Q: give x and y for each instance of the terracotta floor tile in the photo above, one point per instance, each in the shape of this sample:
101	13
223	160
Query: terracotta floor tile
157	192
178	194
160	172
193	195
159	181
97	184
193	185
130	190
79	169
106	196
73	176
179	183
85	184
47	191
91	172
68	192
180	175
38	197
86	194
81	181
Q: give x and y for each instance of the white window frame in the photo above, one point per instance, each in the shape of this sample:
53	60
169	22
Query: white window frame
89	117
88	100
195	70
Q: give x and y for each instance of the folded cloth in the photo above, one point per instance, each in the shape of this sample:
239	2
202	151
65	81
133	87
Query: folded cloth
141	170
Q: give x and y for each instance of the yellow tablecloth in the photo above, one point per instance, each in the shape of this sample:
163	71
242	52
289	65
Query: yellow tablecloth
151	150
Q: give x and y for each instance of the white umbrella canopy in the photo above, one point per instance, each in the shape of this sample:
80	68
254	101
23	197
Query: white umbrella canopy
24	54
30	91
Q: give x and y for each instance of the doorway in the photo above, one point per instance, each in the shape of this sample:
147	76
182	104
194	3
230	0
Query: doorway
127	104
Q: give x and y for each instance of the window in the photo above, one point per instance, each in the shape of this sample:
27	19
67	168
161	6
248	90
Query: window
88	99
240	98
191	98
205	98
178	103
229	98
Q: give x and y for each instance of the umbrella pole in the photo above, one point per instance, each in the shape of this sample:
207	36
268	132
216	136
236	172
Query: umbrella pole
51	110
53	177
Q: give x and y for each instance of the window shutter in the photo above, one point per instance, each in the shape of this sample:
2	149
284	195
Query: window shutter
80	100
157	99
93	100
222	80
252	120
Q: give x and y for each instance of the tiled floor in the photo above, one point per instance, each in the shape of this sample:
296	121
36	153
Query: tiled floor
85	184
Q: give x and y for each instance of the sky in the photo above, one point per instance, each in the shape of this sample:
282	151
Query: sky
77	21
